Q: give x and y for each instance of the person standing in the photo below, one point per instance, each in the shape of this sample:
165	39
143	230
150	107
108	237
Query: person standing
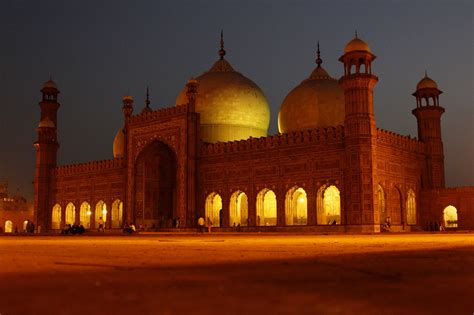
201	224
101	225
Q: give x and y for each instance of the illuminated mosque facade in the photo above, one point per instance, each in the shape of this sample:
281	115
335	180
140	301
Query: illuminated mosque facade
330	168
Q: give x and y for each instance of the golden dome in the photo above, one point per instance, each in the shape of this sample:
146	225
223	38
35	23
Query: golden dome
46	123
316	102
356	44
127	98
426	83
119	144
231	106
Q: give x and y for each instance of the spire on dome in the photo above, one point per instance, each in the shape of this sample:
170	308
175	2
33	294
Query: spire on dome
356	34
319	61
426	73
222	51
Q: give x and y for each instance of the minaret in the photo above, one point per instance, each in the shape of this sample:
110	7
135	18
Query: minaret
147	108
428	115
360	131
46	149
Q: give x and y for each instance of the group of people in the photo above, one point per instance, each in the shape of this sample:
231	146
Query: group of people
387	224
73	229
129	228
436	226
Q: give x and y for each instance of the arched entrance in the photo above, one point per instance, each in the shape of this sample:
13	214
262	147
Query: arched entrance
8	226
411	207
239	209
155	186
213	209
70	213
381	204
266	208
296	207
100	213
117	213
85	215
450	216
56	217
328	205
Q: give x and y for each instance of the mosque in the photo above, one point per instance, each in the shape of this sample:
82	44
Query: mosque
330	167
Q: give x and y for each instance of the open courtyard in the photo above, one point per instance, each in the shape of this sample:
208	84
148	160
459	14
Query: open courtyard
238	274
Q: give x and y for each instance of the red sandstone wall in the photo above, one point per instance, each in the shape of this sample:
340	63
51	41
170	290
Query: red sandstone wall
434	202
17	217
400	163
91	182
307	159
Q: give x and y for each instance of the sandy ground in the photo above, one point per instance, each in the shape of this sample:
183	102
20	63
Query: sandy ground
238	274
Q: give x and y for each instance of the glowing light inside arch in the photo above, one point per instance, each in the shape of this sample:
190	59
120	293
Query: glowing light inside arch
70	213
213	208
328	205
296	207
85	215
238	209
56	217
450	215
411	207
266	208
117	213
100	212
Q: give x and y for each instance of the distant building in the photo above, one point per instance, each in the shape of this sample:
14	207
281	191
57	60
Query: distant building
329	169
14	211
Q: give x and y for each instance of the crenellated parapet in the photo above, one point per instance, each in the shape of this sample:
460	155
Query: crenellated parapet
395	139
89	167
160	113
311	136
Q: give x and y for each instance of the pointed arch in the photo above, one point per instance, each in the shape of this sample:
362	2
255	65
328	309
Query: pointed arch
117	213
450	217
266	208
213	209
381	197
85	215
100	212
411	207
8	226
56	217
328	205
296	206
70	214
238	209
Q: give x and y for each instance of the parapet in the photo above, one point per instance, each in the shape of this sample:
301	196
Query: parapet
311	136
397	140
161	113
89	167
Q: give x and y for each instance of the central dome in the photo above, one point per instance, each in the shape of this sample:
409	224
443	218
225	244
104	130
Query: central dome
316	102
231	106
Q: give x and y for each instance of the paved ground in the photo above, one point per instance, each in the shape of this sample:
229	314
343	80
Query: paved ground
238	274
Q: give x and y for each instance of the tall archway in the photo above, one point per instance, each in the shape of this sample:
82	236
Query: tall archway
213	209
100	212
381	203
8	226
85	215
117	213
238	209
155	185
70	214
450	216
411	207
296	207
328	205
56	217
266	208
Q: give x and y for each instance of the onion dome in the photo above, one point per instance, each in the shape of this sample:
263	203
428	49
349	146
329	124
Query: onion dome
46	123
426	83
119	144
231	106
316	102
357	44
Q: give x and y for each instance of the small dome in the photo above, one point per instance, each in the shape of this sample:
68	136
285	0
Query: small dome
426	83
127	98
46	123
357	44
119	144
50	84
231	106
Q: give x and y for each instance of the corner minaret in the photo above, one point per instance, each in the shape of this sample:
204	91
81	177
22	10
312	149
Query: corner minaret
360	131
46	150
428	115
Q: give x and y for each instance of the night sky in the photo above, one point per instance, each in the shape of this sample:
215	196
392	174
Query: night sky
98	51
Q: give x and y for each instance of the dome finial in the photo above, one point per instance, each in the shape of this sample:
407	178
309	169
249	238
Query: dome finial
356	34
222	51
426	73
319	61
147	101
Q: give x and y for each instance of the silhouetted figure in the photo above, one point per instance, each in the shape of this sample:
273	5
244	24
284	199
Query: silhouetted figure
201	224
101	225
